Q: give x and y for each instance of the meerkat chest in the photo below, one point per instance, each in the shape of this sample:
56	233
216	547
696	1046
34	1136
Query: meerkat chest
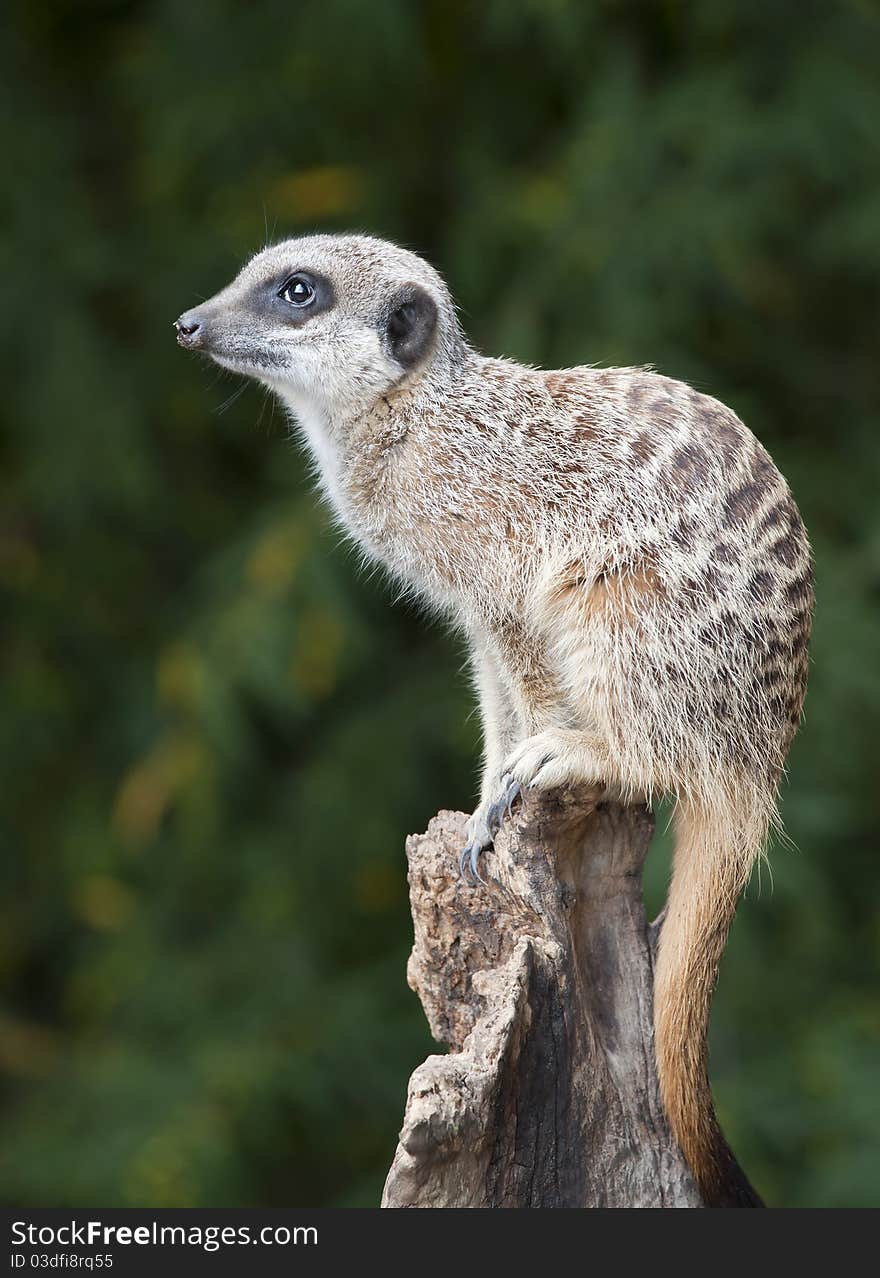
313	428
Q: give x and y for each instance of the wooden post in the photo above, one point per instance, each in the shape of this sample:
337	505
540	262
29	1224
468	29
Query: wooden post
540	983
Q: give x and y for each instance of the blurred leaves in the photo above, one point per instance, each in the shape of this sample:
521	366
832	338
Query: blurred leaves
216	729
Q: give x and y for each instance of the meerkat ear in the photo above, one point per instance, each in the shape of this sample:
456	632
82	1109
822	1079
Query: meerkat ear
411	325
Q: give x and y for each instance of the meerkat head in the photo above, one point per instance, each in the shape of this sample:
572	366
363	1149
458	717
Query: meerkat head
329	322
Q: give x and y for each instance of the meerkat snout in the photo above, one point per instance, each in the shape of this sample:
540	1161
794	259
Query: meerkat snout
190	329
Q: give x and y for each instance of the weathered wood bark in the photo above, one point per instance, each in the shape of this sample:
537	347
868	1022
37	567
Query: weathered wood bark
540	983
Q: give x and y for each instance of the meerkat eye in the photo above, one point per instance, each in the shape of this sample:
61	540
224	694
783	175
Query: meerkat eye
298	291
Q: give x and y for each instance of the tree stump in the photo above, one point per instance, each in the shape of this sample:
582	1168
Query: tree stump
540	983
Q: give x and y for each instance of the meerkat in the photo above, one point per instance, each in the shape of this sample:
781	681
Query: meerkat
627	563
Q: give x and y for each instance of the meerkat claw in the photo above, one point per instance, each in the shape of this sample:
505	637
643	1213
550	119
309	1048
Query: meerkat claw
469	862
510	792
482	832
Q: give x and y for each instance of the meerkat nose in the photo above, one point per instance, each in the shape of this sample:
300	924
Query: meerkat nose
190	330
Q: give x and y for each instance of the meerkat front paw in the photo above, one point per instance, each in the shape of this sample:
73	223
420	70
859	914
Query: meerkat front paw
552	759
485	824
477	828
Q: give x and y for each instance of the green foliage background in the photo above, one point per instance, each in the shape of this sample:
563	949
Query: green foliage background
216	732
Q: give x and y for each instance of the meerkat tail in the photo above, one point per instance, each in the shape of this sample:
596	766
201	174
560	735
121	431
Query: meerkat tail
714	854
